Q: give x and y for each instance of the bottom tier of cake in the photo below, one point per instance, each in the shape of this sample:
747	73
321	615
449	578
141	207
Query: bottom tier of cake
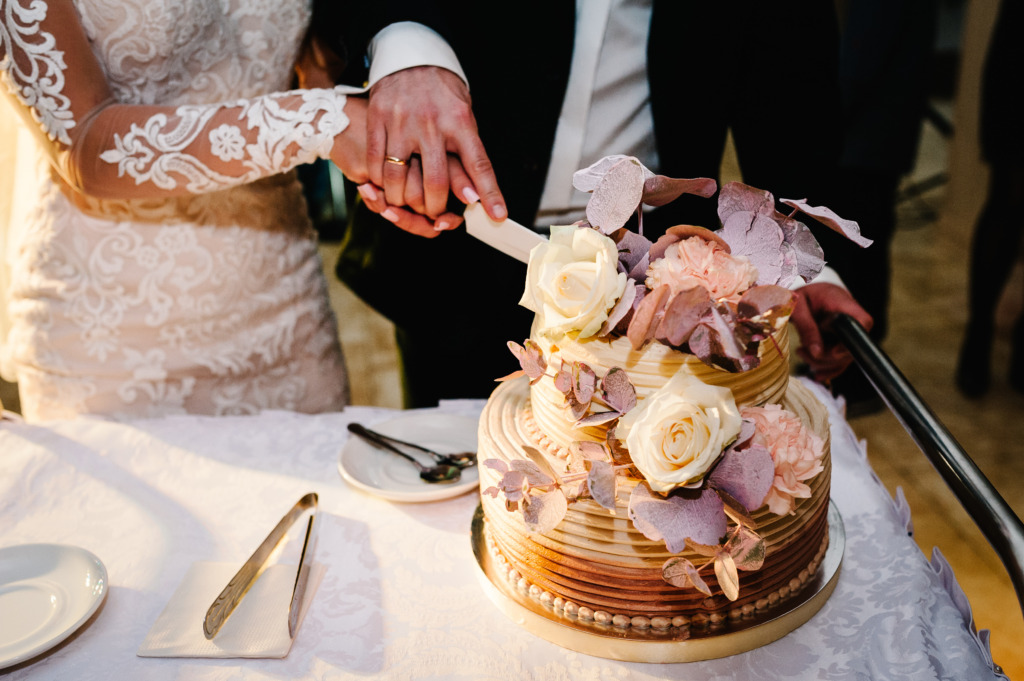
595	566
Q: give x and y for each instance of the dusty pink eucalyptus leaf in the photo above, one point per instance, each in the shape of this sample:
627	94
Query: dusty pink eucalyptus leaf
584	382
679	571
541	462
749	224
543	513
578	410
760	239
601	481
531	359
592	451
563	379
588	179
747	549
633	253
492	492
618	391
714	341
848	228
745	475
582	451
677	517
647	316
736	511
728	577
509	377
679	232
738	197
597	419
496	464
620	455
709	550
771	303
618	313
660	190
683	314
531	472
513	485
747	431
617	196
805	251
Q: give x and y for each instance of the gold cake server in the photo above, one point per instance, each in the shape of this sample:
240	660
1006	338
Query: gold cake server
239	585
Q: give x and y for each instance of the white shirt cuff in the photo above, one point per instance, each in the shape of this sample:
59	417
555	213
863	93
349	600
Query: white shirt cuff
407	44
826	276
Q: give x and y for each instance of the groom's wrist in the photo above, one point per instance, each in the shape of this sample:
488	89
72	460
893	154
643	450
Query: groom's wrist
407	44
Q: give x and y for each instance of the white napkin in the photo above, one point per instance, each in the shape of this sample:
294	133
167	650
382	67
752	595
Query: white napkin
257	628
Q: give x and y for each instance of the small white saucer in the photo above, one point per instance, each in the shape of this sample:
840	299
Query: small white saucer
389	476
47	591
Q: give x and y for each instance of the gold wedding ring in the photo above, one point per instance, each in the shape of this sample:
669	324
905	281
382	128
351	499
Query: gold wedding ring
394	159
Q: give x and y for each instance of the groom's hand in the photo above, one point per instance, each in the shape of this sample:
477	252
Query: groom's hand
426	111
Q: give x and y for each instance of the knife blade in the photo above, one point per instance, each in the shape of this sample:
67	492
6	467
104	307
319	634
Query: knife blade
508	236
232	595
302	576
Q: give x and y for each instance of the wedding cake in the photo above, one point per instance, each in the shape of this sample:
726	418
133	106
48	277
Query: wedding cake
652	467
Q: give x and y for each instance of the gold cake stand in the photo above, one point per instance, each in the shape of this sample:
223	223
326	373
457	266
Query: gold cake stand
675	644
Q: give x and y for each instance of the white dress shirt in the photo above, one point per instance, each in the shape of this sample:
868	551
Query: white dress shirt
606	108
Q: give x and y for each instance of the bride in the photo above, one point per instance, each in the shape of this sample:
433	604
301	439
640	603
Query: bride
166	263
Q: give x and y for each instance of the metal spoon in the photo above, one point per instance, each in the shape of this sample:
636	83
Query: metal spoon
460	459
443	472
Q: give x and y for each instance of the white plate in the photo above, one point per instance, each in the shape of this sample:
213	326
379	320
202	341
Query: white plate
388	475
47	591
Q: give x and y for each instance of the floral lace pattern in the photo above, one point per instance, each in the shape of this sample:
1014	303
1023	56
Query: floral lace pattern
157	150
39	84
211	303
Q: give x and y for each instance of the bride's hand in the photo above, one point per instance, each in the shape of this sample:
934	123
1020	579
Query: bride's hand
411	216
349	152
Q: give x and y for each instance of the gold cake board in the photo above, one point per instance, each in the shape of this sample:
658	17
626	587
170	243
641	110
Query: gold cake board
692	644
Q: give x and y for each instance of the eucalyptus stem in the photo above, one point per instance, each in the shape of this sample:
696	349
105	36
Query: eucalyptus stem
573	477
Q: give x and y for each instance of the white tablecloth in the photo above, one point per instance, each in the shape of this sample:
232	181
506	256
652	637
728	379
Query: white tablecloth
400	598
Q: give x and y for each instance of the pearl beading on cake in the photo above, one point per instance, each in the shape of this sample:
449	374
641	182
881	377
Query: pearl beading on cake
536	435
572	610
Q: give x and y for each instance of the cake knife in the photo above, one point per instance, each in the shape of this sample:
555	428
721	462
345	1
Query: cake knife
508	236
239	585
302	576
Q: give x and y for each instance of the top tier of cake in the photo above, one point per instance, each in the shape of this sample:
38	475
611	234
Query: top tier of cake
648	369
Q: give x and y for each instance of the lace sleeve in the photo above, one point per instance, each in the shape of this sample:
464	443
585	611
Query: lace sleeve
114	150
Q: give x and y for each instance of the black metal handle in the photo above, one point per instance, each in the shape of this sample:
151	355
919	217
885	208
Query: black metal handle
993	516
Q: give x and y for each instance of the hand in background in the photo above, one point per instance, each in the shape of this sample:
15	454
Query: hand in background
816	306
426	111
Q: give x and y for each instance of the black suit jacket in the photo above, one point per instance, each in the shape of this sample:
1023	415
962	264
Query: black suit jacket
710	65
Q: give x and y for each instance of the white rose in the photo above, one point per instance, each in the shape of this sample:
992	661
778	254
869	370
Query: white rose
678	432
572	280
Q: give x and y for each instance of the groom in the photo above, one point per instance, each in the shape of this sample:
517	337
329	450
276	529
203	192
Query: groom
708	69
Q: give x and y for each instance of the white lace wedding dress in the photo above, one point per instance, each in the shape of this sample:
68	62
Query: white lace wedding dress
169	264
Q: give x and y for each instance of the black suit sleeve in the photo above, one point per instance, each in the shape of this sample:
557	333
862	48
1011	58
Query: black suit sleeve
348	27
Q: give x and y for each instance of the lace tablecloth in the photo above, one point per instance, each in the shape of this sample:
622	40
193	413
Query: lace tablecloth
400	598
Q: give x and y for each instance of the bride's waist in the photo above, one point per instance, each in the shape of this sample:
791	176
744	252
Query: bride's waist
274	203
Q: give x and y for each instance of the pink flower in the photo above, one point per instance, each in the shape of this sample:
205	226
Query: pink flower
796	450
696	262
